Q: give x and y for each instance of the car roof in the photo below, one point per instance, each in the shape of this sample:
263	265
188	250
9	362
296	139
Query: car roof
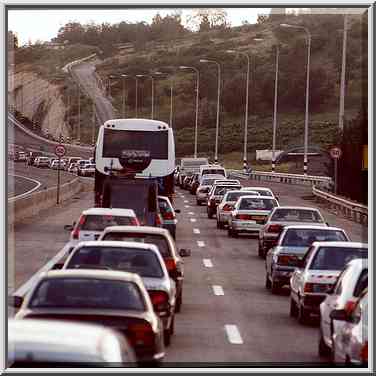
95	274
261	188
314	227
117	244
110	211
67	338
240	191
254	196
296	208
138	229
341	244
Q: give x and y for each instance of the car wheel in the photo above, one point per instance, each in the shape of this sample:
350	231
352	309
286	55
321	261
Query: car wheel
234	233
293	308
275	287
268	284
210	214
218	224
303	314
260	251
179	302
198	203
324	349
229	232
172	327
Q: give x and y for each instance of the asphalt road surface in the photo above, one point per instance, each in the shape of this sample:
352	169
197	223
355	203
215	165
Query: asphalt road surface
228	318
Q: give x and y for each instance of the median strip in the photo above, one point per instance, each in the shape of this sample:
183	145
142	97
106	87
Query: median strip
233	334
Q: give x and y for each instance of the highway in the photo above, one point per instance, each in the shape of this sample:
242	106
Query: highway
228	317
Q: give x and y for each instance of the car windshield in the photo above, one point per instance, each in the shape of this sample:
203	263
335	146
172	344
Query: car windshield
221	190
159	240
233	196
257	203
296	215
335	258
305	237
87	293
134	260
100	222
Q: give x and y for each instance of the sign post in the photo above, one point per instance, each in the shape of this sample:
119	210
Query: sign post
335	153
59	152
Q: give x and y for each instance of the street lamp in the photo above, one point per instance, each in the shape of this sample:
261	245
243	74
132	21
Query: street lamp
275	105
124	76
218	100
171	94
139	76
245	164
305	167
343	75
197	99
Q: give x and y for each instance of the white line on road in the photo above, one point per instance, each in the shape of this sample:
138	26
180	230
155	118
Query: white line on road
186	201
218	290
200	243
233	334
207	263
196	231
38	184
187	206
191	213
193	219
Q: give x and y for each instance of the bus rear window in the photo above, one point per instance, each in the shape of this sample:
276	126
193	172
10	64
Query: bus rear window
116	141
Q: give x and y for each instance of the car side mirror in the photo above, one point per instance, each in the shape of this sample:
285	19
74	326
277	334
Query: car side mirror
68	227
183	252
177	211
339	314
15	301
58	266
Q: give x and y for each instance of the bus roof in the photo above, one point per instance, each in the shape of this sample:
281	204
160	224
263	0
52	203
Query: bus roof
136	123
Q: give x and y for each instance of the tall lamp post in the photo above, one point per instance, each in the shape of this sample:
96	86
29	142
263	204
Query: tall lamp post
171	93
218	101
197	99
308	34
245	154
275	105
343	75
124	77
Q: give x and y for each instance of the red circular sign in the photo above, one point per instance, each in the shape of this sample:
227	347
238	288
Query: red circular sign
60	150
335	152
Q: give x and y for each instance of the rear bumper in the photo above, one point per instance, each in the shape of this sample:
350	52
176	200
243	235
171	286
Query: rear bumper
245	226
282	275
312	302
223	217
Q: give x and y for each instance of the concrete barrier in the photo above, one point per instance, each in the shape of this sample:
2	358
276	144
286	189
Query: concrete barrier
33	204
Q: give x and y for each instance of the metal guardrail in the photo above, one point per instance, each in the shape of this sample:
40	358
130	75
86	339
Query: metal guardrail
353	210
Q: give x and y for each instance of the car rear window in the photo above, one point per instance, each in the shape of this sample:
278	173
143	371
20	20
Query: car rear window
100	222
159	240
296	215
305	237
221	190
335	258
134	260
257	204
87	293
233	196
214	172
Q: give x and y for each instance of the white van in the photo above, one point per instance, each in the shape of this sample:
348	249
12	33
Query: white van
192	165
212	169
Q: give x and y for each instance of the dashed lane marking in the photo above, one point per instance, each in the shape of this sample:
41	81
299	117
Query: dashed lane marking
186	201
193	219
200	243
196	231
191	213
218	290
207	263
187	206
233	334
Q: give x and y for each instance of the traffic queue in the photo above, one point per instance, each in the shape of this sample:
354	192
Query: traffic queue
326	272
122	281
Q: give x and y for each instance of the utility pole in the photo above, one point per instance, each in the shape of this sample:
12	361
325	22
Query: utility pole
343	76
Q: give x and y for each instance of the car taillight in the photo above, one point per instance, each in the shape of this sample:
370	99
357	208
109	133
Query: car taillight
350	306
274	228
227	207
76	230
212	202
159	300
170	264
364	353
244	217
141	334
286	259
168	215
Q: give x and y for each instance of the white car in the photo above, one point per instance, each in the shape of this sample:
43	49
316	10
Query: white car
55	165
87	170
227	204
143	259
32	343
350	284
318	272
262	190
213	169
168	214
94	220
42	162
206	182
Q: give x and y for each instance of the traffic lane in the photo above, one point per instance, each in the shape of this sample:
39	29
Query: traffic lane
18	185
297	195
46	176
32	243
266	330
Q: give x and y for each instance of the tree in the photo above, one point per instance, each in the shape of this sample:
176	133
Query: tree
207	19
12	40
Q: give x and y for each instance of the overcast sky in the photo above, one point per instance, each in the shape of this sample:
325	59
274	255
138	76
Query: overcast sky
44	24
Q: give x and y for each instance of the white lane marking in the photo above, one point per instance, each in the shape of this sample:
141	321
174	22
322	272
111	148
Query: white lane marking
200	243
191	213
187	206
218	290
207	263
21	291
186	201
38	184
193	219
196	231
233	334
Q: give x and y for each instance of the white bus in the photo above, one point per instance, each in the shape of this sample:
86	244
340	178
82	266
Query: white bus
126	135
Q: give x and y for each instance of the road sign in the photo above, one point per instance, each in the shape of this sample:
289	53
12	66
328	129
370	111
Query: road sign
335	152
60	150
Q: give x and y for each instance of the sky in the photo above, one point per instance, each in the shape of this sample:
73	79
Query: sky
33	25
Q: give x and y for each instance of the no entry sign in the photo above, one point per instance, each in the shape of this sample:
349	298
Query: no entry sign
60	150
335	152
